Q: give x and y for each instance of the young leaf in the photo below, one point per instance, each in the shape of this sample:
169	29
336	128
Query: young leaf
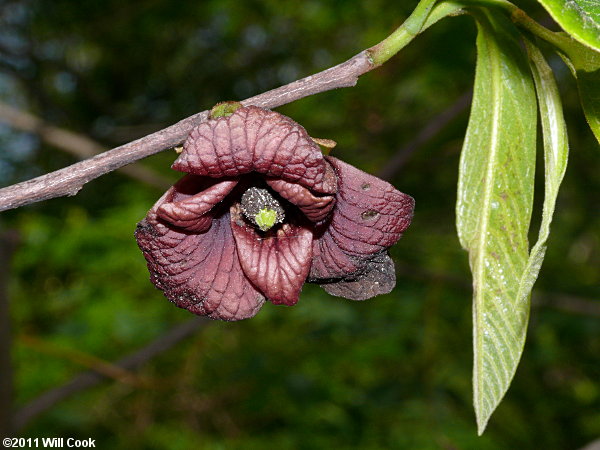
495	195
556	151
579	18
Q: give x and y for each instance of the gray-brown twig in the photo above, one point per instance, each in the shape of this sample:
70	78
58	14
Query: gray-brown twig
76	144
70	180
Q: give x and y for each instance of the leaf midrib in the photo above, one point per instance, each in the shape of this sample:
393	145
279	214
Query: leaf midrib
484	223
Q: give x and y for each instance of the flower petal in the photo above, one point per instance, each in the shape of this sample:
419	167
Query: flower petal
378	277
199	272
278	262
369	216
314	208
188	202
256	140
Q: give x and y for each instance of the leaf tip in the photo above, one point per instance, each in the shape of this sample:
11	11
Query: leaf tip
482	424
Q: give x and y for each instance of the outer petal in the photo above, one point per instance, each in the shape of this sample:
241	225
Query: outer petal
199	272
186	204
369	216
276	263
314	208
256	140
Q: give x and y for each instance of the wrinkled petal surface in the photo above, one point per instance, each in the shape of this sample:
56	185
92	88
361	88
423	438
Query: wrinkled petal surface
369	216
378	277
187	204
314	208
199	272
256	140
338	223
277	262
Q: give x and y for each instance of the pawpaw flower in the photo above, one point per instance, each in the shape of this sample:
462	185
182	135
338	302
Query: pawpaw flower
260	212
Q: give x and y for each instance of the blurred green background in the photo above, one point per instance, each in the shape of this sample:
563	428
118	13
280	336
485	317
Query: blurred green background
391	372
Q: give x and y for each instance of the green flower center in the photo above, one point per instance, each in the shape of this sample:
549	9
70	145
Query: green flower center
261	208
265	218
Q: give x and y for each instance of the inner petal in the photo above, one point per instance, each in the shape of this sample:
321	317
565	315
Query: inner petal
314	208
191	212
278	262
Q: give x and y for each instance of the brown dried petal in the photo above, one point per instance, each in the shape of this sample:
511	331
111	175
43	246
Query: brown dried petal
370	215
378	277
256	140
277	262
199	272
191	212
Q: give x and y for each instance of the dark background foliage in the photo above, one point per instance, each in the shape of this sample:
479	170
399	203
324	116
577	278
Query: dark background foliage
392	372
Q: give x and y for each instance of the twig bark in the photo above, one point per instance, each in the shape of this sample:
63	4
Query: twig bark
76	144
70	180
91	378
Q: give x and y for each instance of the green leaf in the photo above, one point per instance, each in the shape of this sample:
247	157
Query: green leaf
589	92
495	195
578	56
556	152
579	18
585	65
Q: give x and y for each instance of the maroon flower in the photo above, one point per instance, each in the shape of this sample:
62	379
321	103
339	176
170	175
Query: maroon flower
262	211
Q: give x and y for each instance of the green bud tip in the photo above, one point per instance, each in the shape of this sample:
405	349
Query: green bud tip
224	109
265	218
